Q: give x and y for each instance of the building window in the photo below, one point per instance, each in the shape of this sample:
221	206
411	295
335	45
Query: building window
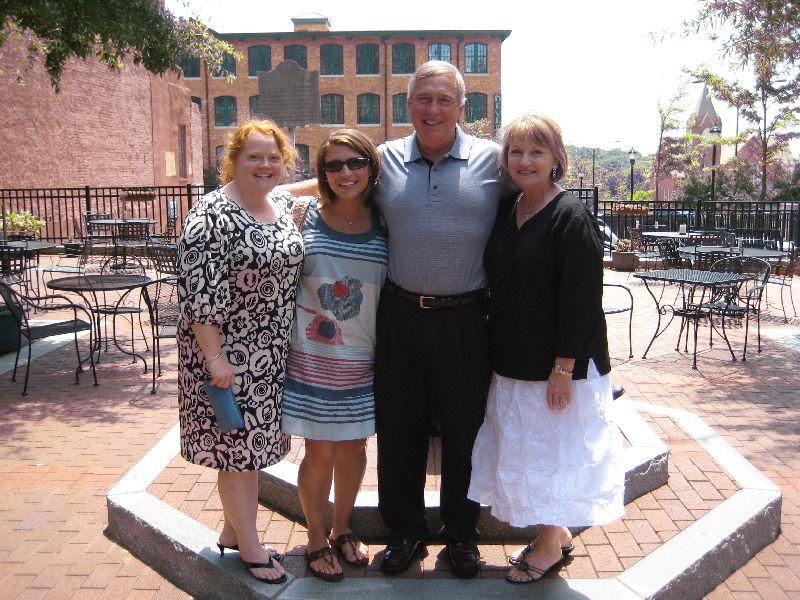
400	109
255	107
402	59
259	58
439	51
297	53
182	151
228	67
475	107
198	101
190	65
332	109
330	60
367	59
475	58
303	166
224	111
219	151
368	109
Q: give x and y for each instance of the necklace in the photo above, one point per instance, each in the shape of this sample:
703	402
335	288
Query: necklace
524	215
349	220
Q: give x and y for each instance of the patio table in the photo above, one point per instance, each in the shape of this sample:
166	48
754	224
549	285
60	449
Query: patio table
31	245
670	235
691	307
762	253
89	286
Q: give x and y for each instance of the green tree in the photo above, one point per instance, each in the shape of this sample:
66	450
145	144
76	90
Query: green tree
762	36
112	30
668	121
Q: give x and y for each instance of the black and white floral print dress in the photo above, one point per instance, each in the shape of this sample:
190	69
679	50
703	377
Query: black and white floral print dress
241	275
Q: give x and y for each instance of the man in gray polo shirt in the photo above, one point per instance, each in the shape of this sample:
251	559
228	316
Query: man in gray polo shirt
439	192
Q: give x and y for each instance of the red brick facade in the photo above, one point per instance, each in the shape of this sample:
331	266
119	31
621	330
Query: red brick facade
103	128
349	84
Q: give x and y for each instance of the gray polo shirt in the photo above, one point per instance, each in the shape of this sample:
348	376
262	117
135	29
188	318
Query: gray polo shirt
439	217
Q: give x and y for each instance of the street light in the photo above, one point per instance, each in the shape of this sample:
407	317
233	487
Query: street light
714	134
632	158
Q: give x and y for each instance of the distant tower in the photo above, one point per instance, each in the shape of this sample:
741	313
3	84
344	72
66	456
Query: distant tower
703	118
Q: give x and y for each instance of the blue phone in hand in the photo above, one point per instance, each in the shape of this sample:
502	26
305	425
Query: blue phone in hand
227	412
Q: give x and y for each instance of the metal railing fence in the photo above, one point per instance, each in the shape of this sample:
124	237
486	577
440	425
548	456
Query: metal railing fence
62	208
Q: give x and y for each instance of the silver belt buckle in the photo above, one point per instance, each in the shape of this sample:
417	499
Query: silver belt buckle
422	301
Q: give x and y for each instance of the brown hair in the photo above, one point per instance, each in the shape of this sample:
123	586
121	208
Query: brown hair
238	138
359	143
542	130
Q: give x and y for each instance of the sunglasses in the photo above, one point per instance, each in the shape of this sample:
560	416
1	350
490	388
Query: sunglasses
354	164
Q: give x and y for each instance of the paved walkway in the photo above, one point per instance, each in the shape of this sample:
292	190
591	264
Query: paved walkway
64	446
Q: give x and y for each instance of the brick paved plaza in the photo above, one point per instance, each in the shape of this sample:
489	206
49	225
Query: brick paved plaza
64	446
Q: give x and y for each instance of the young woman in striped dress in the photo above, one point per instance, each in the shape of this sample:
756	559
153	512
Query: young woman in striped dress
327	397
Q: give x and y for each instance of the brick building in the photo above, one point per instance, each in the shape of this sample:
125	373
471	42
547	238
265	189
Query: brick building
363	78
104	128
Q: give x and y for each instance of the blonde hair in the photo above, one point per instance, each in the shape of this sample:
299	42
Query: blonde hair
361	144
238	138
438	67
542	130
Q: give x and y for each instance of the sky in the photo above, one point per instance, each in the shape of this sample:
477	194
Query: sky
598	68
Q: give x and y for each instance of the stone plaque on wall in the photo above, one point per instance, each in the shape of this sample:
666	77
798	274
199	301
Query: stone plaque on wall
289	95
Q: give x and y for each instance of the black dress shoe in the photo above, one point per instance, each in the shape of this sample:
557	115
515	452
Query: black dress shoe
464	557
399	555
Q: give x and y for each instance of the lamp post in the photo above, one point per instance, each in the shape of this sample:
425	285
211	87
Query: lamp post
632	158
714	134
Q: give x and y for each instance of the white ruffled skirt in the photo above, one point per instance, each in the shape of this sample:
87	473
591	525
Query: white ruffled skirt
536	466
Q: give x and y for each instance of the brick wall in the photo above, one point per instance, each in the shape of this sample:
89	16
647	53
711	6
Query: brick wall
349	84
98	130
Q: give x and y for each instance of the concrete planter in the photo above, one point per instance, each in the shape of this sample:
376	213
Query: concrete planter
624	261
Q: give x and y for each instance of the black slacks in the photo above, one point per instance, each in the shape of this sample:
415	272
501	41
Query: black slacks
428	361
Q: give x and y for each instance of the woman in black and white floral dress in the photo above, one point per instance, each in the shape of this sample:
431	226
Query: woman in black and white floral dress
240	258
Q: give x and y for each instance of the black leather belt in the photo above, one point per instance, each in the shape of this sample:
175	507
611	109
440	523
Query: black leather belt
475	297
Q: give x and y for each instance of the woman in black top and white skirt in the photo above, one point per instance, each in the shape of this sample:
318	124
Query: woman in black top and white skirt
548	452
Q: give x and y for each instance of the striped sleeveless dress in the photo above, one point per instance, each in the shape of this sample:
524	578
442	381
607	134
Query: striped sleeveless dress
328	390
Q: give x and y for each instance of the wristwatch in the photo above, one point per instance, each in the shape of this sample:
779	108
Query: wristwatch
559	370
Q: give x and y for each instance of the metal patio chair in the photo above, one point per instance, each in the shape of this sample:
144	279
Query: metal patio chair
744	300
20	305
626	308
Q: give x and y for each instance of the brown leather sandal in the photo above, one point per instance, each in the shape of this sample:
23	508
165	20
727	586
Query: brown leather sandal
352	540
325	553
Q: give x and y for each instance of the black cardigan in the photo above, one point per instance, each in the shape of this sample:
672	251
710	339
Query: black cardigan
546	284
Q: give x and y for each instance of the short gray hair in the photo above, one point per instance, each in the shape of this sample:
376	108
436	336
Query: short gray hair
438	67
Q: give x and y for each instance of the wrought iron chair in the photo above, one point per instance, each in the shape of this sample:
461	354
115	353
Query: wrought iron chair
703	261
167	235
741	301
165	310
101	233
128	237
783	274
14	266
670	257
645	254
627	308
20	305
703	239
